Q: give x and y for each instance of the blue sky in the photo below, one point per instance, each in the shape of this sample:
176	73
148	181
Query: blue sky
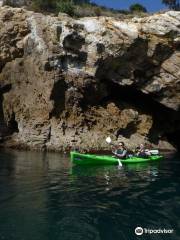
151	5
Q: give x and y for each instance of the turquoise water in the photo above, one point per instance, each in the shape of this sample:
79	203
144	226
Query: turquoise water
42	197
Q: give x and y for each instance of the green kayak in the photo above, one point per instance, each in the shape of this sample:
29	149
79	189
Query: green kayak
91	159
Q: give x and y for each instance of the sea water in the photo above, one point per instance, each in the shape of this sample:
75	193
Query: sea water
44	197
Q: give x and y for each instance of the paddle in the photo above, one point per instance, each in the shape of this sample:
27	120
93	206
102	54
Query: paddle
109	141
154	152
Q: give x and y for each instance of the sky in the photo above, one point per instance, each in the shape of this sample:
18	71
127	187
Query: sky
151	5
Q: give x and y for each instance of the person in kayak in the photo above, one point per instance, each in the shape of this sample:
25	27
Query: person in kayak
120	151
142	151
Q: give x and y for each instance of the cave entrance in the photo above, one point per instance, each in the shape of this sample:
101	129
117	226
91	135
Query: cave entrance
58	96
166	121
6	128
3	125
133	68
12	124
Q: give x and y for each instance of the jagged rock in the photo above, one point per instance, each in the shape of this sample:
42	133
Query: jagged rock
67	82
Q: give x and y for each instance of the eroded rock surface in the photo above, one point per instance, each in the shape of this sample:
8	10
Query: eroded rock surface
67	82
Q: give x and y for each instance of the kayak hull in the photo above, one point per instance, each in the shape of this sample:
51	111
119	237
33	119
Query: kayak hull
91	159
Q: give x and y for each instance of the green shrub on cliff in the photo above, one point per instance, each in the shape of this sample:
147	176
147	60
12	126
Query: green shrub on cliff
137	8
62	5
55	6
65	7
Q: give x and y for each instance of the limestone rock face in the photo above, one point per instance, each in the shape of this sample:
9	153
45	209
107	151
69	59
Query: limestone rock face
67	83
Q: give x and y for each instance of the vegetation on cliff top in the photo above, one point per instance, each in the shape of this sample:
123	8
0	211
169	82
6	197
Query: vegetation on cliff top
137	8
85	8
81	8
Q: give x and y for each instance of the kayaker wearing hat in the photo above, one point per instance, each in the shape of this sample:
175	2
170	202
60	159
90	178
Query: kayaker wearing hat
120	151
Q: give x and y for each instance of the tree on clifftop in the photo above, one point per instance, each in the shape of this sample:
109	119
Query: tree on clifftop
137	8
173	4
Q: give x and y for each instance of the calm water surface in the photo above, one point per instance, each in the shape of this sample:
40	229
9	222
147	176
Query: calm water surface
42	197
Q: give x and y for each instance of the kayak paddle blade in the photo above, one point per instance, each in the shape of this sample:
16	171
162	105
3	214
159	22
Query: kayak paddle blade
108	140
154	152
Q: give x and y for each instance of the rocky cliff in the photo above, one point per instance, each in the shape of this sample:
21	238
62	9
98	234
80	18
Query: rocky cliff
67	82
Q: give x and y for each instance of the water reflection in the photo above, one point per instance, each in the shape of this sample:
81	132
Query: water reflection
142	171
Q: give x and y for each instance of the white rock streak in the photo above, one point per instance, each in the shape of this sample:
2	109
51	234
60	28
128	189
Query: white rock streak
91	25
34	35
129	29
